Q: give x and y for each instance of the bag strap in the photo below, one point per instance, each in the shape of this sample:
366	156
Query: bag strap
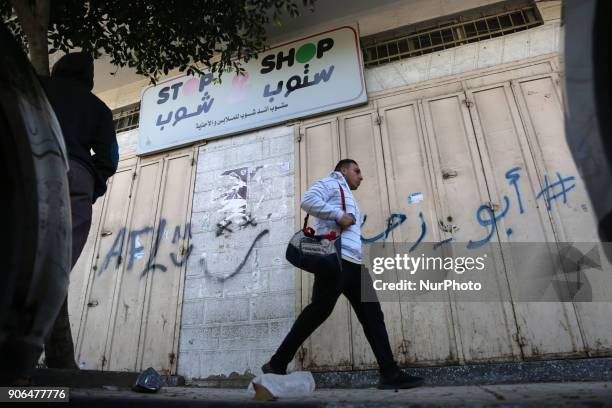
343	205
342	196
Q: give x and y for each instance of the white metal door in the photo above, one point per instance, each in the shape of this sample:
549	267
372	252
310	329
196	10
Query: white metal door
428	336
109	253
123	341
360	140
134	284
163	301
541	111
329	347
489	143
80	276
483	330
545	328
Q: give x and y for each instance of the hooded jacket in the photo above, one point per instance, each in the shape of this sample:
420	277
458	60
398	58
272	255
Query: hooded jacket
87	123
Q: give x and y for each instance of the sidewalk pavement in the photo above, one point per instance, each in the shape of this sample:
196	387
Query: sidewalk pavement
569	394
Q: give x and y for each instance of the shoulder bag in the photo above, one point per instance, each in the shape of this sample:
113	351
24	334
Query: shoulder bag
316	253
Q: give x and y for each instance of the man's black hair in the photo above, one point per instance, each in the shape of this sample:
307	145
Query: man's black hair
344	163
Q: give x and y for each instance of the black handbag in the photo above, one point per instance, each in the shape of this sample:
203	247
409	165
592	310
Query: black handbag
316	253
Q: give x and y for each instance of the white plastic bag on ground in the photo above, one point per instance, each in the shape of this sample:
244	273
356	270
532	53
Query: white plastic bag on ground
294	385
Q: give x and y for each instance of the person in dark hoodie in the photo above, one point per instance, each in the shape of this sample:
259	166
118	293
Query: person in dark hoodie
87	125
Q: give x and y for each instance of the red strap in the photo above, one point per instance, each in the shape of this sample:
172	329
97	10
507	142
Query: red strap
343	206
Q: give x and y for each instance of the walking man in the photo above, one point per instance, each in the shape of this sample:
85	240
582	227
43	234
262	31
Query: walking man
323	201
87	125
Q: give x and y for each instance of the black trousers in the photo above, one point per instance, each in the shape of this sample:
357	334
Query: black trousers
59	349
326	290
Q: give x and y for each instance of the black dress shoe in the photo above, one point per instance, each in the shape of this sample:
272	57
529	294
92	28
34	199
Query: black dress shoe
268	369
398	381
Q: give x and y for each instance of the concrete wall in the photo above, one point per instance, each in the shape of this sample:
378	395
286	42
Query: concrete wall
127	141
371	16
537	41
122	87
541	40
238	306
510	48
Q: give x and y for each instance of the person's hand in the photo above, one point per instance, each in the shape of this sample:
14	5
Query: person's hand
346	221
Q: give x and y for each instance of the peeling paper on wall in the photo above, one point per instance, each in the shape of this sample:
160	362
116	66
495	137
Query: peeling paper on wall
233	207
234	194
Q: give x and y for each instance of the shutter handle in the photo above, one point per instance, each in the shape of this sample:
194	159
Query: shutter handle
446	174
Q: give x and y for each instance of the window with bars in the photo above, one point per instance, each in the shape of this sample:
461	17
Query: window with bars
450	34
126	118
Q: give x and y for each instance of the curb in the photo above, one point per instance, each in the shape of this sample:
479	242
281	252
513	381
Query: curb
52	377
584	369
581	370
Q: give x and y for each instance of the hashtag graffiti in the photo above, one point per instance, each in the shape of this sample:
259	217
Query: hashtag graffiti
556	190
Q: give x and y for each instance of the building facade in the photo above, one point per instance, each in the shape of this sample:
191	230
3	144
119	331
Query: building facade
184	268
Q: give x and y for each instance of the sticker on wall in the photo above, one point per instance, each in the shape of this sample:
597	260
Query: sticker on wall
415	198
235	193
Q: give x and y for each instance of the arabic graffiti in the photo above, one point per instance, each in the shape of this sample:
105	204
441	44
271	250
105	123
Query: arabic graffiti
136	251
487	215
242	263
422	234
391	225
512	176
490	221
444	241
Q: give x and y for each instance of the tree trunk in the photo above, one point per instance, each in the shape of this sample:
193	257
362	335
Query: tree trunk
34	18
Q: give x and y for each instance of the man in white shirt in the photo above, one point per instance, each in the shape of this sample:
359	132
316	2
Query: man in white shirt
324	201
